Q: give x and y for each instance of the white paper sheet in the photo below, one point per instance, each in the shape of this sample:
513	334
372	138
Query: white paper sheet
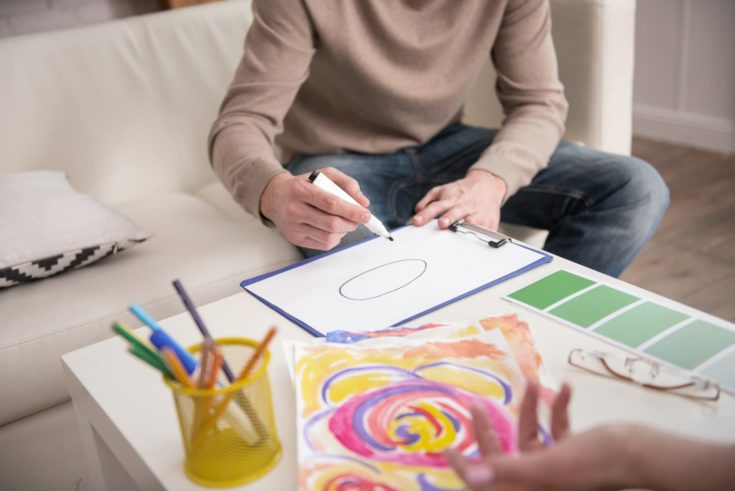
379	283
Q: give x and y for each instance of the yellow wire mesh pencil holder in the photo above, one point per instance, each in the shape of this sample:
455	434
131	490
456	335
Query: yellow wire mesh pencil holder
229	432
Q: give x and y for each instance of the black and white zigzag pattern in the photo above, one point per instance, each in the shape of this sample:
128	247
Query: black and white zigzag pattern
49	266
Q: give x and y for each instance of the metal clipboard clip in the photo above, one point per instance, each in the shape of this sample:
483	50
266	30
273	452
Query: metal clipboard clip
490	237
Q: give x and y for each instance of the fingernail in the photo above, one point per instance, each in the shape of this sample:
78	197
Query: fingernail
479	475
365	218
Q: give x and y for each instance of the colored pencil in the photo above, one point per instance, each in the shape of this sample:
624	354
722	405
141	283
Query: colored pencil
177	369
154	362
199	322
257	354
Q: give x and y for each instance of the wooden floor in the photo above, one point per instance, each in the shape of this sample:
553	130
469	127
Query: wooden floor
691	258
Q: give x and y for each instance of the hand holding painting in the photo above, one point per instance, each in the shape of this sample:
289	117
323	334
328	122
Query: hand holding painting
613	456
323	182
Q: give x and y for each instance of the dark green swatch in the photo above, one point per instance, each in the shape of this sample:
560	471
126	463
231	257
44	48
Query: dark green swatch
589	307
639	324
692	344
723	370
551	289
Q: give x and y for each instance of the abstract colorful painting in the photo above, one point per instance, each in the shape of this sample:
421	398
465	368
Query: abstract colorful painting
516	332
379	416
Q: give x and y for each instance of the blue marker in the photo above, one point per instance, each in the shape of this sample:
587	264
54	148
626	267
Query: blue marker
160	338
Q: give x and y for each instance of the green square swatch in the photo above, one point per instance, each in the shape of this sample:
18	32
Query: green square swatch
589	307
692	344
551	289
639	324
723	370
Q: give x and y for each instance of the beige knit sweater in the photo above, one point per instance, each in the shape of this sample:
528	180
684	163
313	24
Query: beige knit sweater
374	76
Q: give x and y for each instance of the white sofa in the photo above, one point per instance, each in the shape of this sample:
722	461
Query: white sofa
124	109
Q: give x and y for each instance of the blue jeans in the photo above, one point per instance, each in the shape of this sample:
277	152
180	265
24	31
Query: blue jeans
599	208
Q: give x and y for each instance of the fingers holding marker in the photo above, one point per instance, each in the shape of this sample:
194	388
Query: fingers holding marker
331	204
331	223
338	199
348	184
314	238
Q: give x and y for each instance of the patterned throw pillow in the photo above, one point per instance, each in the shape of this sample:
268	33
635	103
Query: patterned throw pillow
46	227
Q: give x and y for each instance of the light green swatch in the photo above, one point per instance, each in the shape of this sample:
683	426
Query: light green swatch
591	306
723	370
639	324
549	290
692	344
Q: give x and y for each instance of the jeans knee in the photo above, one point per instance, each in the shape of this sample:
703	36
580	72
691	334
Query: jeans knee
651	186
644	191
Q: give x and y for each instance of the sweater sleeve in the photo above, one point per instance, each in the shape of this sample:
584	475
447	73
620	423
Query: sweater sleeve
530	92
279	47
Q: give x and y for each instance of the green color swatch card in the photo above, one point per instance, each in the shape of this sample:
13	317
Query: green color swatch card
639	324
692	344
723	370
549	290
589	307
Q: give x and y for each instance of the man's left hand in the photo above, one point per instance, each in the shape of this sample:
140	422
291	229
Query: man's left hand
476	198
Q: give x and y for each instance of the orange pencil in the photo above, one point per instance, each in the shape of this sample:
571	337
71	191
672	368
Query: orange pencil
177	369
258	353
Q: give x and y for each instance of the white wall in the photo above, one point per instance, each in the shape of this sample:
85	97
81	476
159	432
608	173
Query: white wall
28	16
684	90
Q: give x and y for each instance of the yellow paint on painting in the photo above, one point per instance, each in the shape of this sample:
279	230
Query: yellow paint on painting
467	380
470	330
431	438
357	384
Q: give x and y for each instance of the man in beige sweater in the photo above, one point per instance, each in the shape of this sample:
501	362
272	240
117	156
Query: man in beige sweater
372	91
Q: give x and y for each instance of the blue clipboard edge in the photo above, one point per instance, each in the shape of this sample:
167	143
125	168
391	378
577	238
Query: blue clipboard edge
544	259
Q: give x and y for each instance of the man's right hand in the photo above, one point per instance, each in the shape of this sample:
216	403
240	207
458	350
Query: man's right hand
309	216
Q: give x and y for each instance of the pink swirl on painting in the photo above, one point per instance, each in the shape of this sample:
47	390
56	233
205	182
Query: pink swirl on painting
352	482
411	422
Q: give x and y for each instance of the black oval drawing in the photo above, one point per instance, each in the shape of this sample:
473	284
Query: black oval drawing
343	289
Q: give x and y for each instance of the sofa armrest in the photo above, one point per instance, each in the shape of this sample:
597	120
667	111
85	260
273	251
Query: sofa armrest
594	42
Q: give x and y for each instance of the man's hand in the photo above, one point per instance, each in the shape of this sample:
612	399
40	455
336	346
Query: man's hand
309	216
476	198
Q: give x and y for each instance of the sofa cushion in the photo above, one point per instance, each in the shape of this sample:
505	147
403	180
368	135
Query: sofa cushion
209	251
47	227
123	107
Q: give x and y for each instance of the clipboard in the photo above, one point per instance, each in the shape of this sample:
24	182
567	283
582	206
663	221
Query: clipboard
375	284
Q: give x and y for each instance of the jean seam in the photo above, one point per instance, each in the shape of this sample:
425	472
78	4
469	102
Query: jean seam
566	192
417	181
393	194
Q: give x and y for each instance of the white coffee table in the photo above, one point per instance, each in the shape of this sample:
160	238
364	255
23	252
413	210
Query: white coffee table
131	435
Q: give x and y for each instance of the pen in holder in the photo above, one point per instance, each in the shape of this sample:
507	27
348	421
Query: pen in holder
229	431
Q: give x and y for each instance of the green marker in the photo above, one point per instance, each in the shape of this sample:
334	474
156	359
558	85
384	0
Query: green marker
140	349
